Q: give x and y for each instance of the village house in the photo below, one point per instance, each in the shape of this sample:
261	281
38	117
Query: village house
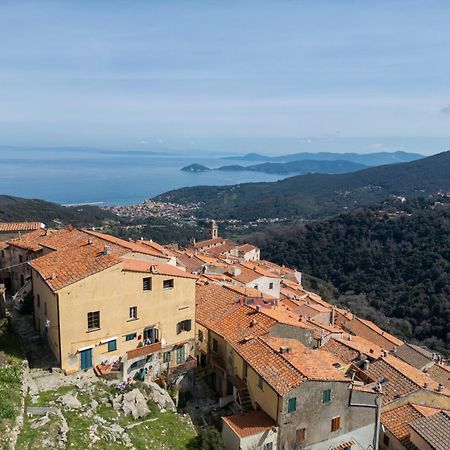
263	364
103	303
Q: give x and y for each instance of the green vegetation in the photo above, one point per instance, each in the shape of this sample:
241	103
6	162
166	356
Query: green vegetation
391	266
15	209
317	196
160	230
10	380
88	428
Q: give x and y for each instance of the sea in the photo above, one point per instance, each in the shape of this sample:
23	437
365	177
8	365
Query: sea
108	177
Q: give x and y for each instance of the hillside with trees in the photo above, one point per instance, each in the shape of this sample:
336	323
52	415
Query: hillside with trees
391	266
316	196
16	209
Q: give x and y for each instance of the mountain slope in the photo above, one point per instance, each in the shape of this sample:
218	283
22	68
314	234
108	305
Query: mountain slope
390	266
319	195
368	159
23	209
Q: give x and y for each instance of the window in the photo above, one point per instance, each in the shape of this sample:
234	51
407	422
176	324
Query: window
166	357
93	320
147	284
184	325
261	383
200	335
168	284
326	396
133	312
181	354
3	253
268	446
112	345
20	258
270	285
292	404
130	337
300	434
39	301
386	440
215	345
336	424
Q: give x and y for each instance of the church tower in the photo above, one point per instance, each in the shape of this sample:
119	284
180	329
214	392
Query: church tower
214	230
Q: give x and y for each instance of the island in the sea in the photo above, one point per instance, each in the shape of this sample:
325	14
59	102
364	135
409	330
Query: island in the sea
293	167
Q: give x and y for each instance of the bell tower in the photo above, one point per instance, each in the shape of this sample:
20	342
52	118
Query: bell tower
214	230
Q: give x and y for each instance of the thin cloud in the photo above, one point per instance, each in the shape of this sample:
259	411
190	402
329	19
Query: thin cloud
445	109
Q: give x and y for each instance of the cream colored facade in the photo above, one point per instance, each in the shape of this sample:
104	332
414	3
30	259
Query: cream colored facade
63	317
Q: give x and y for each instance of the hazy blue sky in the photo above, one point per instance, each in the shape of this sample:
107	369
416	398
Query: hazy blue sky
253	75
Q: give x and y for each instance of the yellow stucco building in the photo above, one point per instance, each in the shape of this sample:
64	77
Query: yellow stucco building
106	307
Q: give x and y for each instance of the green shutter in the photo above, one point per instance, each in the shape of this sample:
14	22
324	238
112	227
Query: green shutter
292	404
326	396
112	345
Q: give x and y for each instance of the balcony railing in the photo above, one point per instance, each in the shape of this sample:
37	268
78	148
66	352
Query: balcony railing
189	364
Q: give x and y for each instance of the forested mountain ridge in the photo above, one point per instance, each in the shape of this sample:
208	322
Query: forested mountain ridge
318	195
392	268
16	209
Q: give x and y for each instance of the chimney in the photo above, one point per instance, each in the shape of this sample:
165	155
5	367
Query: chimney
425	385
258	308
441	388
53	276
107	250
253	322
284	349
90	241
366	364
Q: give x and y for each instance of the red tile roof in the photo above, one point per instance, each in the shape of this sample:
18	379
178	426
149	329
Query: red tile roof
67	266
11	227
207	242
397	421
440	373
248	424
139	265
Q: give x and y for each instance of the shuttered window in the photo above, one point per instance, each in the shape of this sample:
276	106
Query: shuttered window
336	424
292	404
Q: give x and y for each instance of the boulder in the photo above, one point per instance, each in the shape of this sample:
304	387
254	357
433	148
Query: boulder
160	396
70	402
134	402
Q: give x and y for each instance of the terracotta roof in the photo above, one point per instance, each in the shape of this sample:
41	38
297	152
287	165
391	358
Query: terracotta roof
138	265
314	365
209	242
440	373
415	356
249	292
340	351
435	430
247	248
397	421
363	346
275	370
11	227
67	266
344	445
369	331
402	379
241	323
3	245
135	246
213	302
248	424
258	268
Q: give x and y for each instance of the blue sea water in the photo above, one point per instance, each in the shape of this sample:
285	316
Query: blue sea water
74	176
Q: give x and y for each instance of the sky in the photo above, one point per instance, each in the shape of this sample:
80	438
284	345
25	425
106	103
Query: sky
269	76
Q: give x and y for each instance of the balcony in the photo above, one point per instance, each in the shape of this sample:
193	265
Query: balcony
144	350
